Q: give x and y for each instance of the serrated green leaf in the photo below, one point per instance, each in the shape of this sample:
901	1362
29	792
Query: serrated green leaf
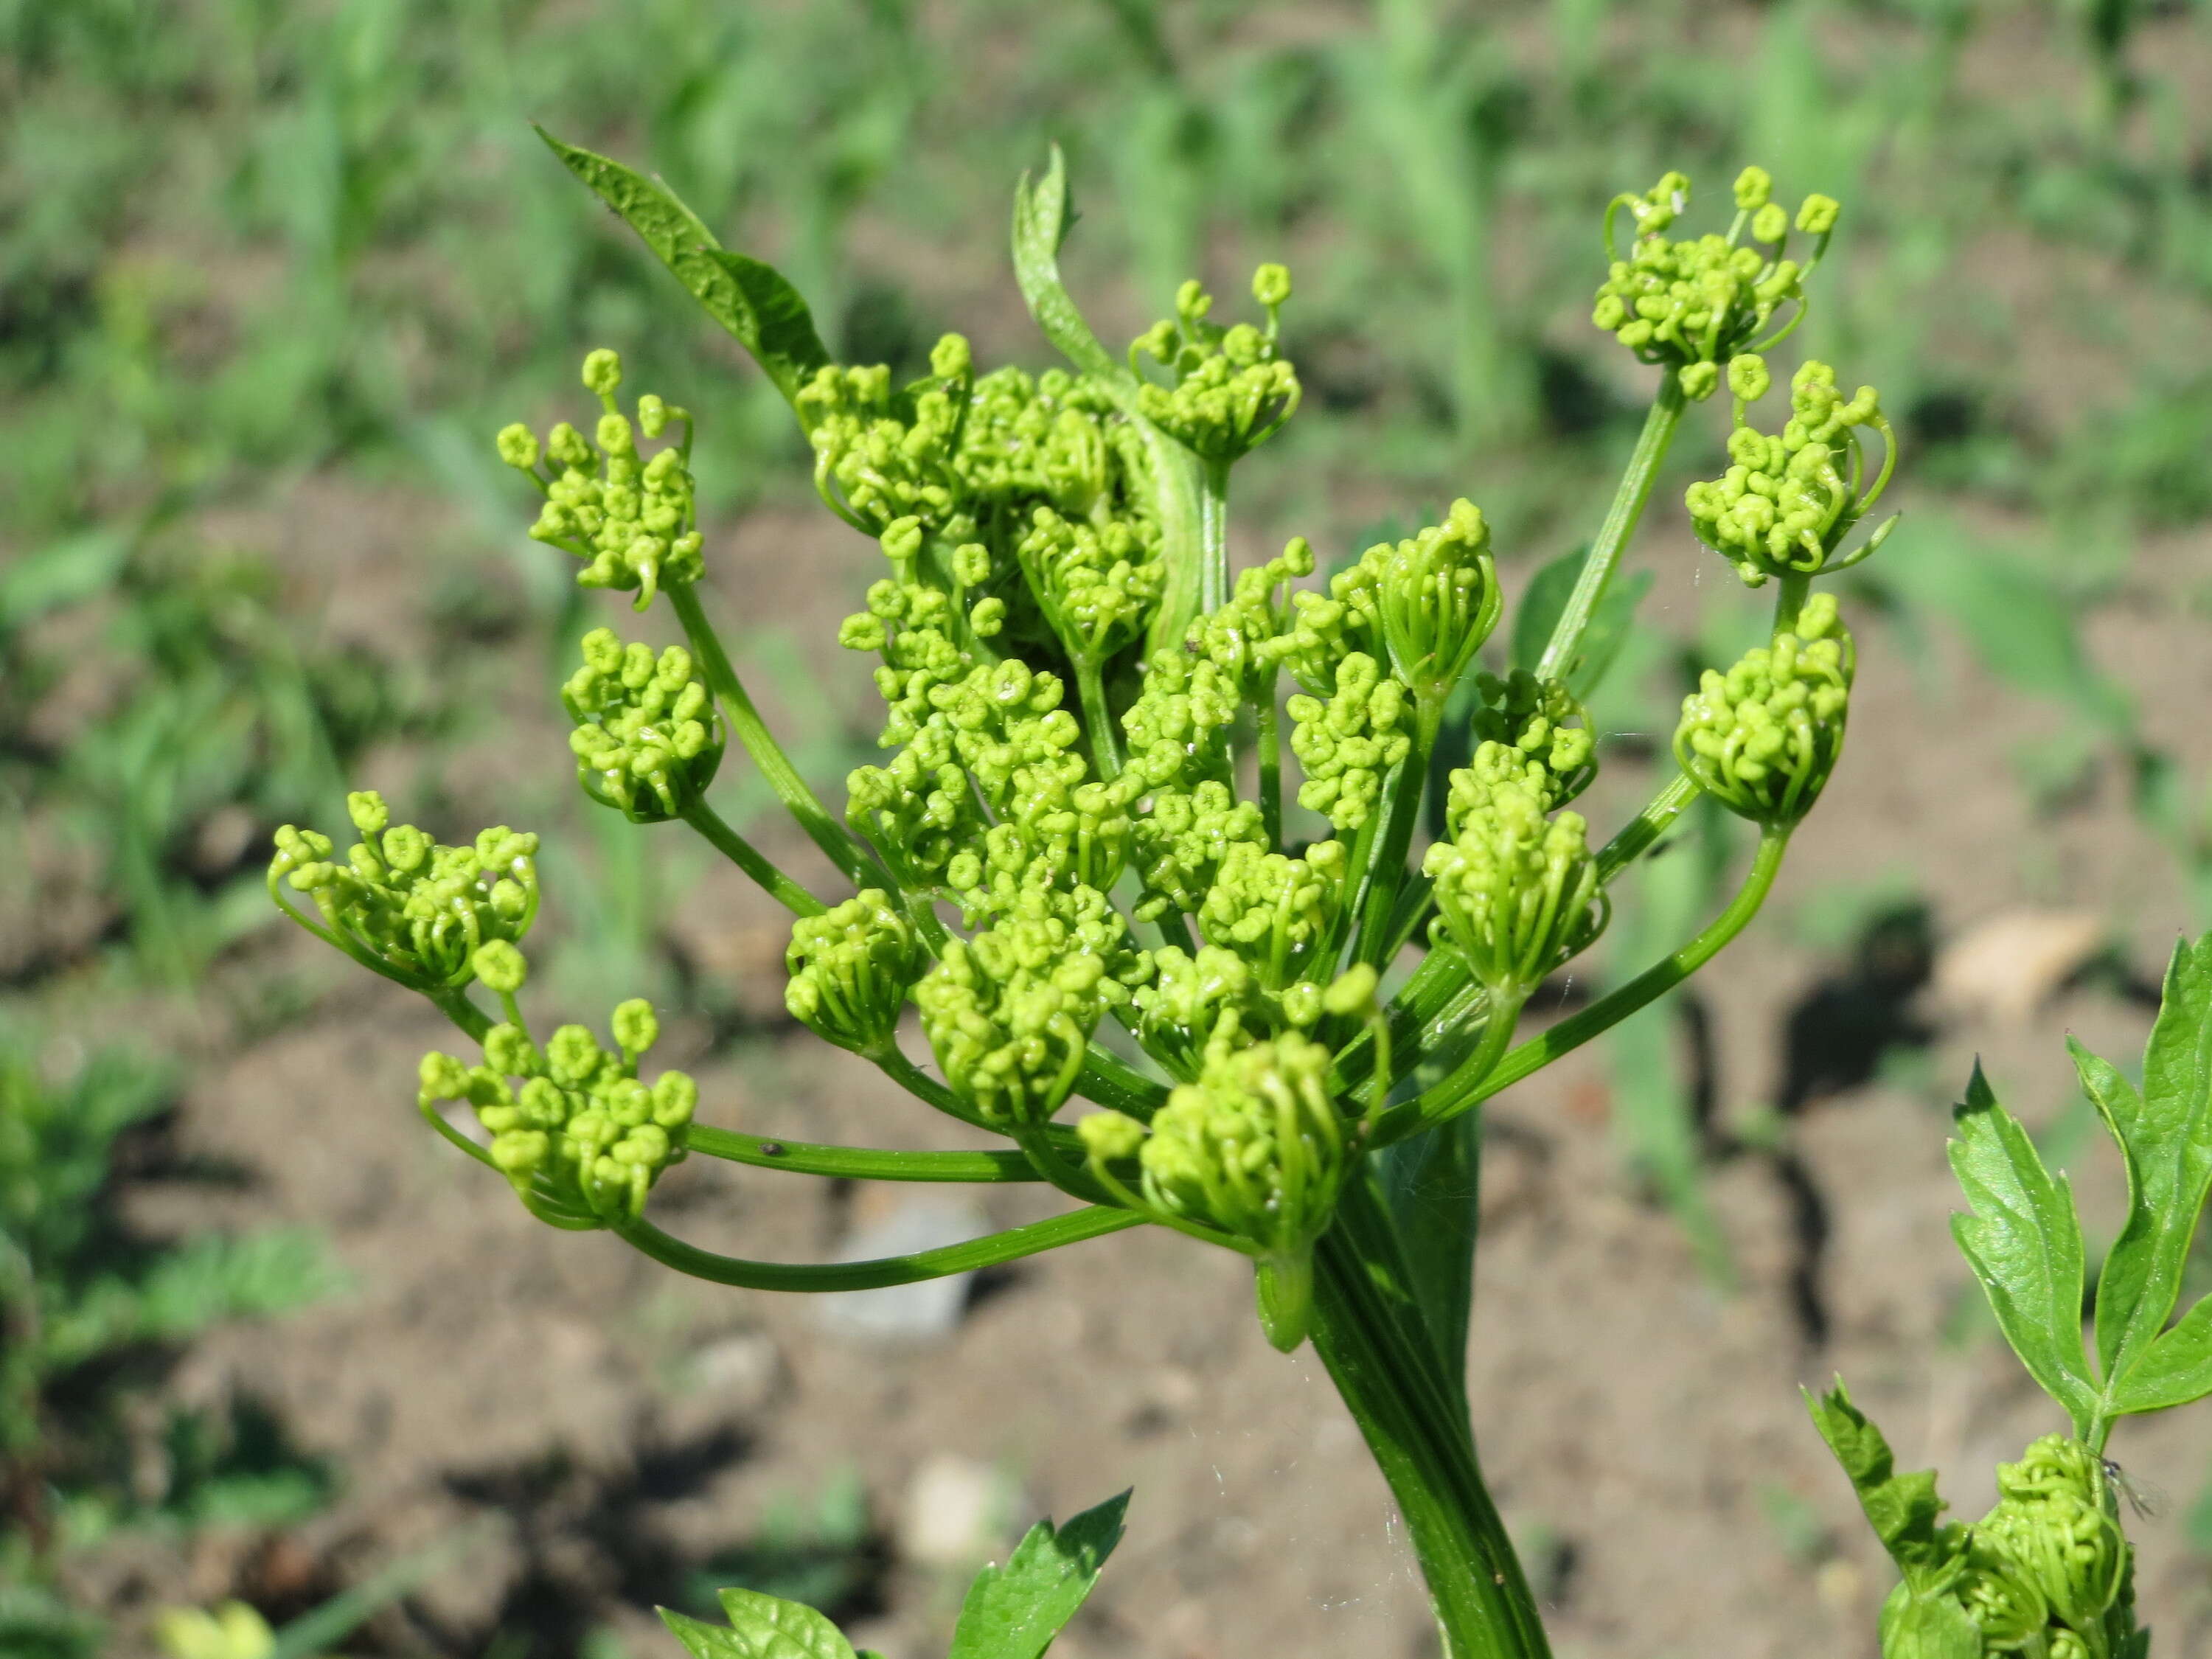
1014	1611
760	1627
747	297
2165	1133
2024	1242
1903	1510
2173	1370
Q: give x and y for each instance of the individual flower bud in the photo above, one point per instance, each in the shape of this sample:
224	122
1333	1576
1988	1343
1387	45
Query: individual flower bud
948	359
635	1026
1748	377
1353	991
500	967
653	414
367	811
1816	215
1763	737
851	968
601	372
444	1078
1754	187
1699	380
1271	285
1516	893
1109	1137
1771	223
518	447
508	1050
1256	1149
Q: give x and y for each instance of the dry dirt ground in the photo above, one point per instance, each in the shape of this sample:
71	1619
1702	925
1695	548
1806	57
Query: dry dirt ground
608	1426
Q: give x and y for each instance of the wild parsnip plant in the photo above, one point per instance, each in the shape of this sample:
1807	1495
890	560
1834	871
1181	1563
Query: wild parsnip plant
1086	843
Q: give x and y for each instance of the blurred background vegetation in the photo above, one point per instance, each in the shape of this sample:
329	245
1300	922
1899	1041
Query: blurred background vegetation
272	271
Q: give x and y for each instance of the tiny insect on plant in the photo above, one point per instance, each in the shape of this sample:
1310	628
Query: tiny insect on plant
1089	815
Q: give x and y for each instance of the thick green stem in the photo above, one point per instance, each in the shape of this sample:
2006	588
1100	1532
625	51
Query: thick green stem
453	1003
1008	1246
1461	1091
1369	1332
1604	556
743	854
1212	536
775	766
1638	834
1105	749
1791	590
856	1163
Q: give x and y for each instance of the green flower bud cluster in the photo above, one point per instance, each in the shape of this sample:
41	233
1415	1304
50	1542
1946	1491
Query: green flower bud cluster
581	1138
399	902
1527	730
1214	1000
1763	737
919	811
1277	913
1179	727
2047	1571
1252	634
880	453
1010	1012
1437	595
1691	305
1788	500
851	969
1097	587
1348	744
647	738
1516	892
633	521
1183	842
1255	1150
1232	391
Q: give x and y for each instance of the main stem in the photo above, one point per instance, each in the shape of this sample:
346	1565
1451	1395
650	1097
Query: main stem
1604	556
1368	1330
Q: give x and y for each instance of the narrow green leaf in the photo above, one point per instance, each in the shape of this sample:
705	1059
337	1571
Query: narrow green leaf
2173	1370
1014	1611
2024	1244
2165	1133
1041	223
750	299
1903	1509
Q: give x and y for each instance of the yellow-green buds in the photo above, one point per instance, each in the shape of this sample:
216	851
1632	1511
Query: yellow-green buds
1763	737
413	910
1516	893
1788	501
1539	721
1256	1151
1232	391
1278	913
1009	1013
1097	588
648	738
1691	305
1348	744
1437	596
2052	1525
851	969
579	1136
630	520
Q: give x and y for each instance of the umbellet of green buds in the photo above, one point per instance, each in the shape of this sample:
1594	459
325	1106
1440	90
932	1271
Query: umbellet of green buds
648	738
1763	737
1691	305
1788	499
630	520
1517	893
414	910
575	1132
851	969
1254	1150
1231	391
